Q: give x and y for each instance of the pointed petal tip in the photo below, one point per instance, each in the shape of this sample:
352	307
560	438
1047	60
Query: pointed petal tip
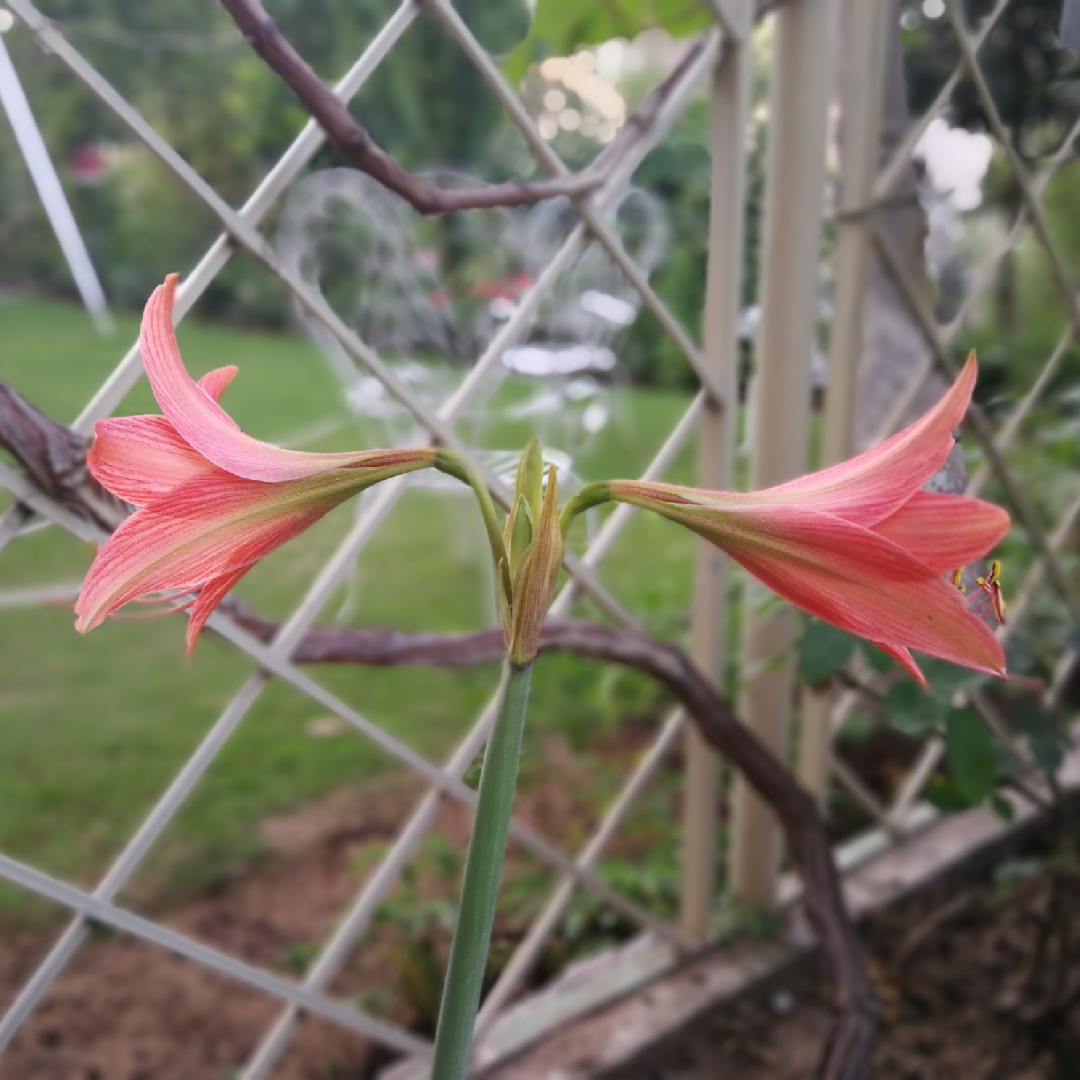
215	382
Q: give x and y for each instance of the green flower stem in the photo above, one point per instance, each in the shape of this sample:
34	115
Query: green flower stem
590	495
483	868
448	462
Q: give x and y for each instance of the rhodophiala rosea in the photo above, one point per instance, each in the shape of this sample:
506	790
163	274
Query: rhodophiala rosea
212	501
861	545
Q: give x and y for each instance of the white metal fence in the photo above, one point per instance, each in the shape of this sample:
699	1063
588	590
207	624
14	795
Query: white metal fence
720	62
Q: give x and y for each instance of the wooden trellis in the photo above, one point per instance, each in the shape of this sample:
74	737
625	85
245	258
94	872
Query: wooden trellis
718	64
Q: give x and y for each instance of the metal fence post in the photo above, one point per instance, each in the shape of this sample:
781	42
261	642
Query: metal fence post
798	115
730	95
861	99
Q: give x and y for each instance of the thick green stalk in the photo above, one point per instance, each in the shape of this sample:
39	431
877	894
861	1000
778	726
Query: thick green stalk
483	868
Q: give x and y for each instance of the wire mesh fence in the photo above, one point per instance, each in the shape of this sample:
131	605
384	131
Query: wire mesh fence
717	64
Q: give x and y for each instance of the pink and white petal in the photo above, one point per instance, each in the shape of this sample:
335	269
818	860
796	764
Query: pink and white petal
214	382
210	595
850	577
871	486
203	424
945	531
206	528
142	457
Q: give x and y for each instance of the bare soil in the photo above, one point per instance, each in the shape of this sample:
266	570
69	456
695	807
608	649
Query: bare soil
126	1010
954	971
964	996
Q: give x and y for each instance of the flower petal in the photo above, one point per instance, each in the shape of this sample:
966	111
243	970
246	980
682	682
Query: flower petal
209	597
871	486
203	424
208	527
904	658
214	382
845	574
945	531
142	457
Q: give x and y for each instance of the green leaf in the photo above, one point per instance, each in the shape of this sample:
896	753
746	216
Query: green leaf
1002	807
945	795
823	651
912	710
1046	739
945	678
972	758
561	26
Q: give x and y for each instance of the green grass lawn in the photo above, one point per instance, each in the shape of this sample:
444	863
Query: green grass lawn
93	728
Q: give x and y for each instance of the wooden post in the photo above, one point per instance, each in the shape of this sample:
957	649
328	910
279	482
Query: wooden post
861	95
730	93
801	91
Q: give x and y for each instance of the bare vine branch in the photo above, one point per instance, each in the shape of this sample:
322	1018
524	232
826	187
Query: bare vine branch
353	140
54	457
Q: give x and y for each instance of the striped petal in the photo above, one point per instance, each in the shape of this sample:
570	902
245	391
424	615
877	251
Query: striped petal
845	574
214	382
207	528
201	422
210	595
945	531
141	458
904	658
870	486
865	584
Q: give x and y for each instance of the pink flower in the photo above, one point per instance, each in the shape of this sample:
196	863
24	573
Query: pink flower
861	545
213	501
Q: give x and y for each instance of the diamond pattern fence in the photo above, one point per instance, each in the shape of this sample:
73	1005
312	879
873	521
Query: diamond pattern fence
718	63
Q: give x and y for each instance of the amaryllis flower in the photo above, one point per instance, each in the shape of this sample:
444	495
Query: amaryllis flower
213	501
861	545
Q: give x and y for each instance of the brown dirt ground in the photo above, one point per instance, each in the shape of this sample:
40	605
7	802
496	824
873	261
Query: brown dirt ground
950	969
125	1010
953	972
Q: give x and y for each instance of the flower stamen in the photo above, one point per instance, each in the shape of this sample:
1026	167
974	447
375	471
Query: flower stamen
989	597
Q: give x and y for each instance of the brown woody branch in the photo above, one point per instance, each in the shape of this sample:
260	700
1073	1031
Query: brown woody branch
846	1055
55	459
354	141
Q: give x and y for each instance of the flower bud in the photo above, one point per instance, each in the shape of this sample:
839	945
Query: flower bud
534	580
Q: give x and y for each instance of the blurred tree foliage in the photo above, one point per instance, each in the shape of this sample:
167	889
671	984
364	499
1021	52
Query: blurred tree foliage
185	67
1035	83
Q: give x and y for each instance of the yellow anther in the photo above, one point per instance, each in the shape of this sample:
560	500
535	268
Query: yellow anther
991	586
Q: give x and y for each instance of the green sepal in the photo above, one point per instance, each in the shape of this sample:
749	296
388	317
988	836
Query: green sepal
502	591
530	477
534	580
519	533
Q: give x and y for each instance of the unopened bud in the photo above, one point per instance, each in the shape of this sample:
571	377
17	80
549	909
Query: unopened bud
519	533
534	579
530	476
